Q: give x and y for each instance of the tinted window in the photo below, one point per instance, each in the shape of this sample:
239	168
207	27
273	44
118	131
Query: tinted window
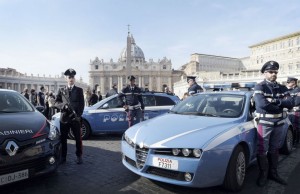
163	101
149	100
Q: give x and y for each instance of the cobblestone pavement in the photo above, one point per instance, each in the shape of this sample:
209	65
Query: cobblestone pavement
103	172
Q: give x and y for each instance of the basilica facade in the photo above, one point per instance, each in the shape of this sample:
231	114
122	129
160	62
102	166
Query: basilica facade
150	75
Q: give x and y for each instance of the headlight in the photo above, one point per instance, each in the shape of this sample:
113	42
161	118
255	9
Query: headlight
53	133
186	152
175	151
197	153
128	140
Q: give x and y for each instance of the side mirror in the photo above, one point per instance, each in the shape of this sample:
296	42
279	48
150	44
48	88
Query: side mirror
105	106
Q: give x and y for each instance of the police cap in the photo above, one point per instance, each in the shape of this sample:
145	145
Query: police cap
270	65
289	79
131	77
188	78
70	72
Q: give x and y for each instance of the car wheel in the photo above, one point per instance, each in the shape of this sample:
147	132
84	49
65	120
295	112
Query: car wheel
85	131
236	170
287	146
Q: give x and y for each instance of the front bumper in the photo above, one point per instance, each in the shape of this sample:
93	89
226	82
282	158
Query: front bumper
37	157
205	171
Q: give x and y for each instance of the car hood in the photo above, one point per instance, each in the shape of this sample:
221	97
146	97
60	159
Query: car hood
22	126
181	131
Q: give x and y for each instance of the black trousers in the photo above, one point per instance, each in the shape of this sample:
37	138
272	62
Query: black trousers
75	126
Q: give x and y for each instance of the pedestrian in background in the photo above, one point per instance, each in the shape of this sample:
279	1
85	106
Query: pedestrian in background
112	91
33	97
51	103
131	100
25	93
270	99
94	98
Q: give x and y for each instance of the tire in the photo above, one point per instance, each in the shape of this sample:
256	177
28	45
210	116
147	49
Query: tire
287	146
85	131
236	170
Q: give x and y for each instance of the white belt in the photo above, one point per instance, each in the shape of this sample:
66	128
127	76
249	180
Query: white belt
259	115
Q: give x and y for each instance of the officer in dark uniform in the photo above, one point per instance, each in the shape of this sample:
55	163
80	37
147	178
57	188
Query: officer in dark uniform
73	104
193	86
270	99
294	113
132	101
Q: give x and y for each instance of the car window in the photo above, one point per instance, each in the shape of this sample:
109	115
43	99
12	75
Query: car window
14	102
114	103
149	100
163	101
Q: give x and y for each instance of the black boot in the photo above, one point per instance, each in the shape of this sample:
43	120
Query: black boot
273	174
262	161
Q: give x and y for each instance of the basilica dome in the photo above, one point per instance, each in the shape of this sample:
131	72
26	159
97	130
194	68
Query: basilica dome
137	55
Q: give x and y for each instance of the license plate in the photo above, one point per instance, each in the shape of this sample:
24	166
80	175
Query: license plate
13	177
165	163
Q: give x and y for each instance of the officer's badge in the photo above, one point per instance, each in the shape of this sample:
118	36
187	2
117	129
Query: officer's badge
71	70
271	63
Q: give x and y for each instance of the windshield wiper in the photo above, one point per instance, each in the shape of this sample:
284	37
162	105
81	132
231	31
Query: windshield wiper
172	111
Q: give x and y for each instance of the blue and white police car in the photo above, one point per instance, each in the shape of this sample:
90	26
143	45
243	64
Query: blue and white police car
29	144
206	140
107	116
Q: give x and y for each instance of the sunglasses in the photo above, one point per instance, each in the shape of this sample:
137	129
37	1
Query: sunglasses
271	72
70	77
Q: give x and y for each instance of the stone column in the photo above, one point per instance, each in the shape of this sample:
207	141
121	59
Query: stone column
19	87
150	83
140	81
143	82
5	84
110	82
158	84
102	85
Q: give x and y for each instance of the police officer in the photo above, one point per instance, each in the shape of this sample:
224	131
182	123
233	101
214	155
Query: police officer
72	97
270	99
294	113
132	101
193	86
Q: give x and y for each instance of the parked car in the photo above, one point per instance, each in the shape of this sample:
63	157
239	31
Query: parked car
206	140
29	144
107	116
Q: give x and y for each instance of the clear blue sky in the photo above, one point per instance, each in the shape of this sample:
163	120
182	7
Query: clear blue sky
49	36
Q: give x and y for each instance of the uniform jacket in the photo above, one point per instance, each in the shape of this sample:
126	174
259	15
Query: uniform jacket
278	93
195	88
132	97
76	98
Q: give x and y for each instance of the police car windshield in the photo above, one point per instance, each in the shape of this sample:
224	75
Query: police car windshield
212	105
11	102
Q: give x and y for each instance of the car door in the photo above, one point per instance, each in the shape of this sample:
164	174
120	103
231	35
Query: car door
110	117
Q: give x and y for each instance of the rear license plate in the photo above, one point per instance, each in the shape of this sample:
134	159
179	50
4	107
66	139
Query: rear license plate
165	163
13	177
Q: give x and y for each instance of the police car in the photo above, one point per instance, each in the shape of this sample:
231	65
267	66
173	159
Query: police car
29	144
107	116
206	140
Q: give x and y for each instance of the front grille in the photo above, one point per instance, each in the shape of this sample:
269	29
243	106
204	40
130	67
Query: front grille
37	164
130	161
141	156
166	173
